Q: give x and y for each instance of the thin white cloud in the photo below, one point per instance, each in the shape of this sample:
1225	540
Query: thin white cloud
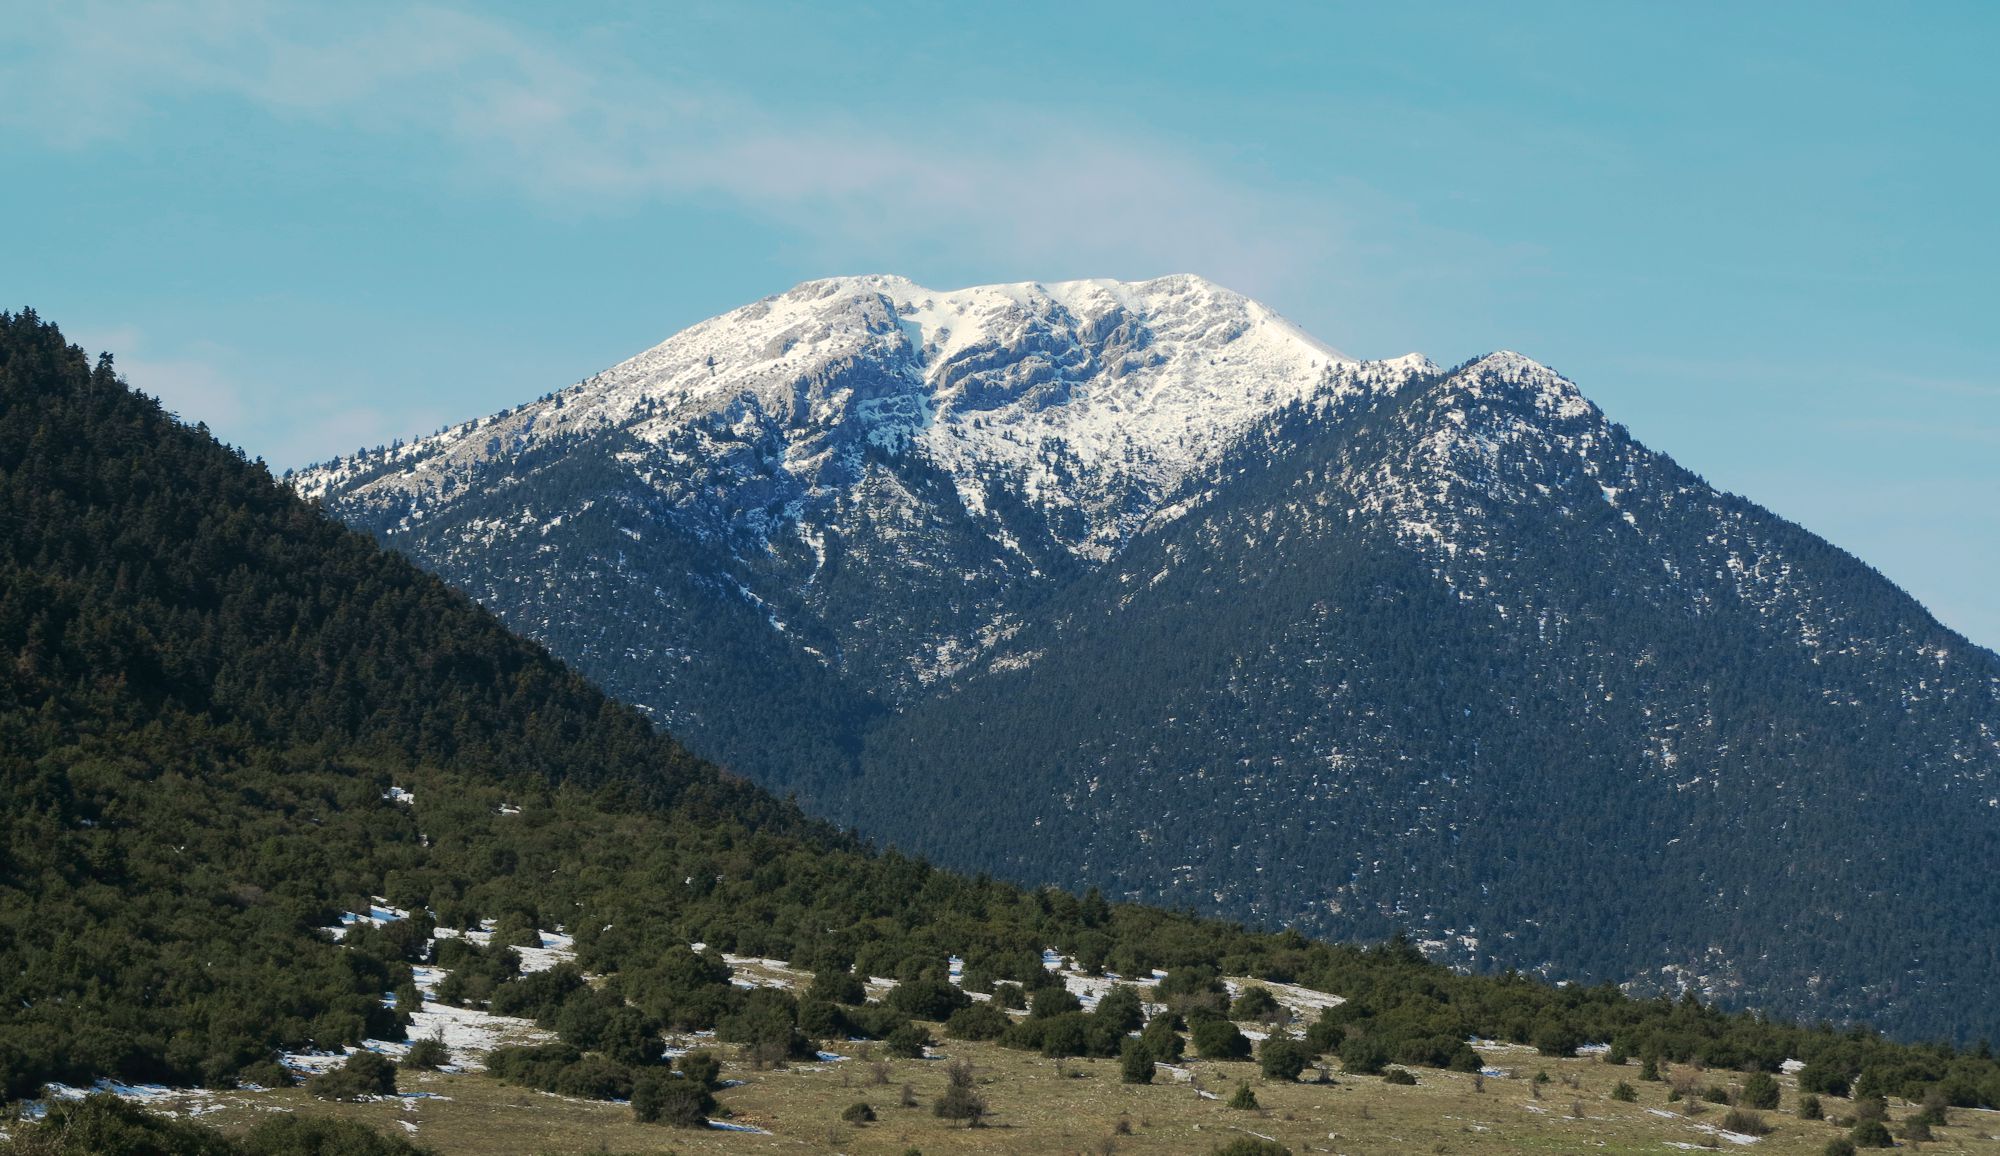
192	384
233	396
1002	186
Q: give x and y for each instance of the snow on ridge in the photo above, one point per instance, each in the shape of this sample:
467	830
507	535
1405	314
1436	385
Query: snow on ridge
1086	395
1555	395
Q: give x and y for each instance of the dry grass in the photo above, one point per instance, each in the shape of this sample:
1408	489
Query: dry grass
1036	1110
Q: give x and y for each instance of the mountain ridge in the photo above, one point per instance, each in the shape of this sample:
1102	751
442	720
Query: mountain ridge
911	534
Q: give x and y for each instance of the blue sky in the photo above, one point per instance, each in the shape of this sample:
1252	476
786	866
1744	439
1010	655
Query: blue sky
1762	236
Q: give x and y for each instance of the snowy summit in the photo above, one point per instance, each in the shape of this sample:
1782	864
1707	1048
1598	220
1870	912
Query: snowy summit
1093	396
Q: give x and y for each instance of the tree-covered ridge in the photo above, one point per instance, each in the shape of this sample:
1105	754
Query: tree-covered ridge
200	665
213	690
152	575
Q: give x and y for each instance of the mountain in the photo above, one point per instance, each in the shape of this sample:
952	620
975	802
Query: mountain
267	788
1137	586
851	490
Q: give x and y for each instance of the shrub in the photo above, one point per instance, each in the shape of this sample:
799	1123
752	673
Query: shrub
594	1077
1624	1093
1135	1063
1282	1059
1917	1128
1399	1076
1715	1094
1362	1056
517	928
873	1021
1121	1009
1557	1038
1810	1108
981	1021
1162	1040
960	1104
928	999
1759	1091
1218	1039
1054	1001
1746	1122
1649	1068
907	1042
959	1101
630	1036
364	1074
766	1023
701	1068
427	1055
1872	1134
1193	979
1010	996
821	1019
1254	1003
838	987
858	1113
267	1074
676	1101
1840	1147
1825	1078
536	1067
1244	1100
538	995
1064	1035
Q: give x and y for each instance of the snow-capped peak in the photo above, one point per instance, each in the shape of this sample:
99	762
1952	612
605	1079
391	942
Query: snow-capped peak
1552	393
1091	396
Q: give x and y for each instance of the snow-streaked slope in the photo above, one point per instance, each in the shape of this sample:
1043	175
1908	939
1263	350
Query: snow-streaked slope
968	447
1086	395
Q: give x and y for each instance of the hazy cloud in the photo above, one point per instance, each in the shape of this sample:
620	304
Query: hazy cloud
1003	185
225	390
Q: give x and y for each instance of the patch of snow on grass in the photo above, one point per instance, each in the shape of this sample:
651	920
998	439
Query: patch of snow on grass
556	948
753	972
470	1033
1302	1002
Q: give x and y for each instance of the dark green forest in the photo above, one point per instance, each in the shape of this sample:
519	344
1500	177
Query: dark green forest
210	688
